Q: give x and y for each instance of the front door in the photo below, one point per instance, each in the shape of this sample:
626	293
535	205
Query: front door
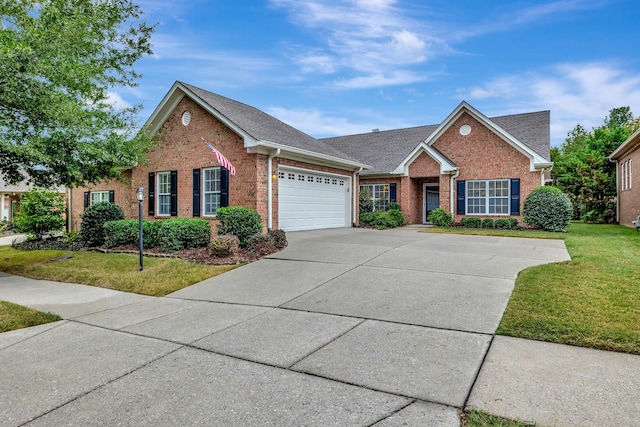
431	199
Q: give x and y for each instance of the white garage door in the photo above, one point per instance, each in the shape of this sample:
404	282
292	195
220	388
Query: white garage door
309	200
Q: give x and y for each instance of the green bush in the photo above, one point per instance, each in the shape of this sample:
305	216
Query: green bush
396	216
513	223
176	234
240	221
225	245
488	223
502	223
382	219
365	200
126	232
279	238
40	212
471	222
547	208
93	219
394	205
440	218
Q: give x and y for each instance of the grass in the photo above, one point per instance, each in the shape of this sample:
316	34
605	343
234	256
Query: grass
13	316
160	277
591	301
482	419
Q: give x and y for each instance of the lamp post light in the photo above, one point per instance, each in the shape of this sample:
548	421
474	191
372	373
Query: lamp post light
140	197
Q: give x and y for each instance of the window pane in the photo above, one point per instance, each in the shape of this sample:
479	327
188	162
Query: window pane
211	185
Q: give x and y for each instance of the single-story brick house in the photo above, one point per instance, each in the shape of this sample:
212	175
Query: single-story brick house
626	156
469	164
10	197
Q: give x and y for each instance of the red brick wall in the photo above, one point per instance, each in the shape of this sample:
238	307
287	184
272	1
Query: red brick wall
424	165
123	193
484	155
629	199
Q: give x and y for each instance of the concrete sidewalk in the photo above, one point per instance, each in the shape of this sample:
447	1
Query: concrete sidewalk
343	327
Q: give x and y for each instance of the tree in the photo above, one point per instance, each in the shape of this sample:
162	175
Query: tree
583	171
58	61
40	212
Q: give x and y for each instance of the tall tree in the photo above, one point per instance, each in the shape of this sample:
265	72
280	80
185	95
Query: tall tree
58	61
583	171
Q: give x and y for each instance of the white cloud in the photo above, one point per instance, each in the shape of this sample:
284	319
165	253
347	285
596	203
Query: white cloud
314	122
378	80
575	93
114	99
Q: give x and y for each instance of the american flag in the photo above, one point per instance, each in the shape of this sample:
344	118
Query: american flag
221	158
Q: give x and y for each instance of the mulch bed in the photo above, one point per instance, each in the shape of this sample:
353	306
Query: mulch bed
195	255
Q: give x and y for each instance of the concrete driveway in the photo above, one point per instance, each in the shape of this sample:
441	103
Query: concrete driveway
343	327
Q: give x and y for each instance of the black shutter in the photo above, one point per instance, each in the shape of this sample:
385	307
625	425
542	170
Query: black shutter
196	192
460	197
515	196
152	193
112	196
86	199
174	193
224	187
392	193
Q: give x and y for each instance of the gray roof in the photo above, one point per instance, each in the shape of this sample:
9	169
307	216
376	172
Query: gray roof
387	149
383	150
23	186
264	127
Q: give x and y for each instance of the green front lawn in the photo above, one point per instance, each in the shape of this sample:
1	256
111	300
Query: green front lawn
591	301
160	277
13	316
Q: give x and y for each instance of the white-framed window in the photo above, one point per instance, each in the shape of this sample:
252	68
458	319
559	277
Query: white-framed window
164	193
627	174
211	190
380	195
98	196
488	197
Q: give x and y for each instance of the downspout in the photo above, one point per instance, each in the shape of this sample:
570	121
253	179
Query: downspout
69	212
451	187
617	189
270	188
542	181
355	198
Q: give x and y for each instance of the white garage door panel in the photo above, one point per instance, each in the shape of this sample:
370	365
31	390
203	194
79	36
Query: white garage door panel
308	200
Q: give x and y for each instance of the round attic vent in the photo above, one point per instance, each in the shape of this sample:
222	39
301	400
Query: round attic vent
465	130
186	118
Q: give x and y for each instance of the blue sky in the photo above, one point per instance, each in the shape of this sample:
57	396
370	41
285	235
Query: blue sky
332	67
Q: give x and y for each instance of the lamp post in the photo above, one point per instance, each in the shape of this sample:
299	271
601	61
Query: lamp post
140	197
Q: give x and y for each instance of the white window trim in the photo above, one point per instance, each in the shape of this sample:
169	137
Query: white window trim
487	198
373	192
630	173
103	195
160	194
204	192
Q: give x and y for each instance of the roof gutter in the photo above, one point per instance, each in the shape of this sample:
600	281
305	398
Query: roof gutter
313	155
270	179
451	187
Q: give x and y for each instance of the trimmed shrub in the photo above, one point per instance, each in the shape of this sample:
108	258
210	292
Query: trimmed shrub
502	223
126	232
471	222
382	219
279	238
365	200
262	244
394	205
240	221
176	234
93	219
488	223
396	216
440	218
547	208
224	245
513	223
40	213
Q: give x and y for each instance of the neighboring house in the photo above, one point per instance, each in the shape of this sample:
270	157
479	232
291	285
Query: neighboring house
10	197
469	164
626	156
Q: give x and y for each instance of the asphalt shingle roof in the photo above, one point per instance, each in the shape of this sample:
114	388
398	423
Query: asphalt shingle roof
383	150
264	127
387	149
